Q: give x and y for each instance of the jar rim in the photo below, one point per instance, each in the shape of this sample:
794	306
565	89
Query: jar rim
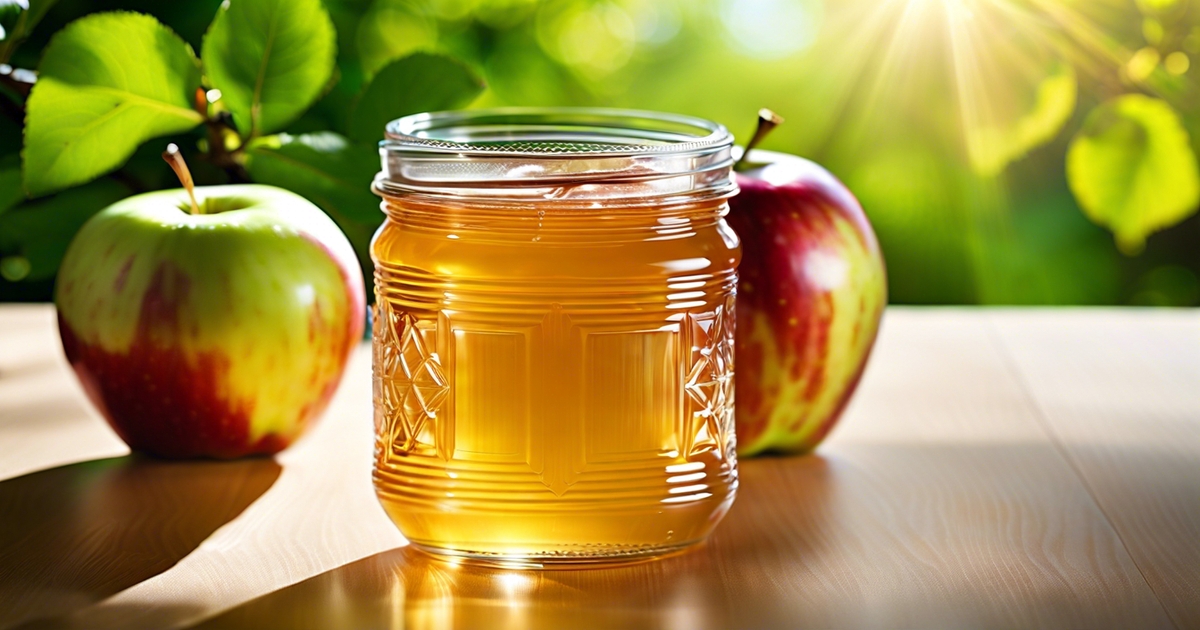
541	153
554	132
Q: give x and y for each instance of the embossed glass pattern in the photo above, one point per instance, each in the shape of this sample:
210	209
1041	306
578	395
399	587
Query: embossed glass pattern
553	334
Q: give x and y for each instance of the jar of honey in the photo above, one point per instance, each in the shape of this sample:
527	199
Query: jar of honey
553	333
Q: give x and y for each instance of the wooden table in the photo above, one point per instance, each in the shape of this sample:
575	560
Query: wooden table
999	468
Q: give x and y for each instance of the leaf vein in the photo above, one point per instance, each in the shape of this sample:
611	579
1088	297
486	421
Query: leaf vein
256	99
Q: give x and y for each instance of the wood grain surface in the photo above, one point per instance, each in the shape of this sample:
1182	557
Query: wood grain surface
1019	468
1125	406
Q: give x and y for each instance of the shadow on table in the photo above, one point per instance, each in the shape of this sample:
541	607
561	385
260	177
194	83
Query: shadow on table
404	588
76	534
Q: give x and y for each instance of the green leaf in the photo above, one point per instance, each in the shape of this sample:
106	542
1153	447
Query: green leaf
389	30
420	82
271	59
992	147
330	171
107	83
1132	170
39	231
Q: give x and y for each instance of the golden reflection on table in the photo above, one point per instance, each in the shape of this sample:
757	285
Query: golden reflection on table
405	588
916	536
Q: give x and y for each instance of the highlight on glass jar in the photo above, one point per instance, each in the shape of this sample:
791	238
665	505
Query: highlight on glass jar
553	334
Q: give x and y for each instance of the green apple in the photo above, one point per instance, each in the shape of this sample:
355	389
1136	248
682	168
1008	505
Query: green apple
217	333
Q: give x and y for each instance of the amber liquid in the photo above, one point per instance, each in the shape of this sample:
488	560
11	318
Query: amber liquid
554	383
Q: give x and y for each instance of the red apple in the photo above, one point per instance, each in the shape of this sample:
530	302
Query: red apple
219	333
811	292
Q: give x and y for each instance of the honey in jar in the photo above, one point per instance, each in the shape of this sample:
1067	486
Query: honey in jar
553	334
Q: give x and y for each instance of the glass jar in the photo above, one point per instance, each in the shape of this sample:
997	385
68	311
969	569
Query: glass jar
553	333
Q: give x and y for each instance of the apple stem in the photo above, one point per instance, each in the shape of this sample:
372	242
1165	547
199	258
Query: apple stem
767	120
175	159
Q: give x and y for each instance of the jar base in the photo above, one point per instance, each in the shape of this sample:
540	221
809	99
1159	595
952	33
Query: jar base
599	558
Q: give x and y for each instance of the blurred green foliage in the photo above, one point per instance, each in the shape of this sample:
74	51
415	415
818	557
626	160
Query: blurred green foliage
993	143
